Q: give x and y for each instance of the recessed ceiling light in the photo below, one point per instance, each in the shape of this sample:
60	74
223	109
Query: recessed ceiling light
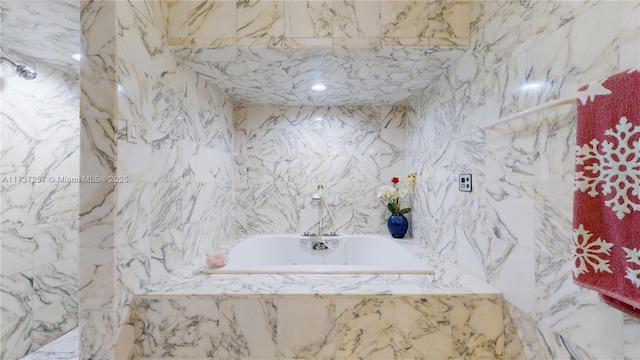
318	118
319	87
75	57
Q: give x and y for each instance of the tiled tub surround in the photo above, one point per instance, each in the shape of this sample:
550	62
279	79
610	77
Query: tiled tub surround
451	314
284	152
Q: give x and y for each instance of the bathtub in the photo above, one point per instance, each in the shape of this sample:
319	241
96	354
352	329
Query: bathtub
269	254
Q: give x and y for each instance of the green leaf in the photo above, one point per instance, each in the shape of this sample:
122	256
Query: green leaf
405	211
390	207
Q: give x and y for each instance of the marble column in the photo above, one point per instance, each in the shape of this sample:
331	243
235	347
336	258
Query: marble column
97	162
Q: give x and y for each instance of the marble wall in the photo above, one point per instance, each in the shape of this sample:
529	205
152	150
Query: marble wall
284	153
284	23
514	228
39	146
166	196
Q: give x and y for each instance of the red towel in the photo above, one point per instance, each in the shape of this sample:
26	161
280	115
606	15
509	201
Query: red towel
606	216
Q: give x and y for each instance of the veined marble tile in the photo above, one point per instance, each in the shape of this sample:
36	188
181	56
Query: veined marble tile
629	41
167	207
178	19
18	248
364	327
167	251
404	19
18	334
67	343
356	19
56	282
511	212
53	320
258	19
304	328
554	211
308	19
477	326
211	19
422	327
583	323
97	339
448	19
98	64
133	206
631	335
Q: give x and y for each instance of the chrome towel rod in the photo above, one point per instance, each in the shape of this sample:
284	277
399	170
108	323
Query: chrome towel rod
535	109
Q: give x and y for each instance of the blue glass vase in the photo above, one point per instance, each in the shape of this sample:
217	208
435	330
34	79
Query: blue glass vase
397	225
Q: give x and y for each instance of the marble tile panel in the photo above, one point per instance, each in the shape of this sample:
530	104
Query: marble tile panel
520	334
308	19
67	343
167	249
248	327
477	327
98	64
582	323
356	19
167	160
304	327
185	329
631	334
507	29
17	297
595	20
98	147
514	274
137	165
629	41
133	206
18	249
97	215
517	153
18	334
133	271
97	329
167	207
422	328
404	19
56	282
553	224
210	19
319	284
511	212
364	327
448	19
52	321
257	19
178	19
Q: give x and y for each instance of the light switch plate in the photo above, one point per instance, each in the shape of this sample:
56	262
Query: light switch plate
132	132
464	182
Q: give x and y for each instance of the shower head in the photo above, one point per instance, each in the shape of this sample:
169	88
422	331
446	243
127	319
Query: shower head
317	196
22	70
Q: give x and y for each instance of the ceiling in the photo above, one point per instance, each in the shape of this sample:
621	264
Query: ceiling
49	31
284	76
41	31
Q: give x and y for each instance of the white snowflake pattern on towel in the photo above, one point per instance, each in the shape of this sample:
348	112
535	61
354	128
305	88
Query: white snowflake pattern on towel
593	89
585	252
616	169
633	256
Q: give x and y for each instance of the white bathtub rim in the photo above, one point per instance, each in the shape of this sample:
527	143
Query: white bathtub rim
416	266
